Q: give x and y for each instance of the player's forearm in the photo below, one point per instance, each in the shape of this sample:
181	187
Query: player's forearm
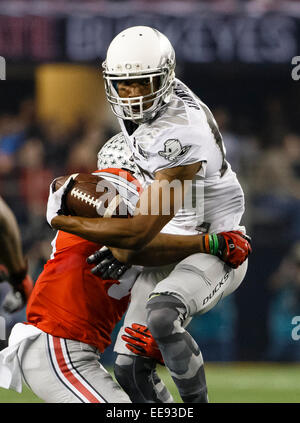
163	249
116	232
11	254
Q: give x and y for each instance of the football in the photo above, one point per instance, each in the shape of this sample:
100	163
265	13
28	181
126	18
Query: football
91	196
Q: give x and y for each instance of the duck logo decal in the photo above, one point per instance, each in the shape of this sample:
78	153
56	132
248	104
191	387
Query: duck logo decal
174	150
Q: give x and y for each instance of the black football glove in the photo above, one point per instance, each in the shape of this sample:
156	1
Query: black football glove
107	266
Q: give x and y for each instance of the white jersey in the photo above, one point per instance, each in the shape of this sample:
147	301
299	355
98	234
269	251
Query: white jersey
185	132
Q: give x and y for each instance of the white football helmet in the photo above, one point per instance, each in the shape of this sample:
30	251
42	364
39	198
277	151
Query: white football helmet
137	53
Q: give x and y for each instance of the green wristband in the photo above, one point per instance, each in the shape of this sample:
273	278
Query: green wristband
213	244
216	244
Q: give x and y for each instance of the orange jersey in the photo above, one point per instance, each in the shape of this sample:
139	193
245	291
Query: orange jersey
68	301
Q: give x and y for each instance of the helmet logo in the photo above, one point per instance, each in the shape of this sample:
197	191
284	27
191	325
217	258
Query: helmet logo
173	150
128	67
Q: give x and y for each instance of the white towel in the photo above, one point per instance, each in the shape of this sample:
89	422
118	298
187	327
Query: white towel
10	371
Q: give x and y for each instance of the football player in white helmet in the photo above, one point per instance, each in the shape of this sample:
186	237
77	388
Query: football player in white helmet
150	68
175	141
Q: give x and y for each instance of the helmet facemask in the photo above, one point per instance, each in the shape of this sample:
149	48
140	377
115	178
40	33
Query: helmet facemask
145	107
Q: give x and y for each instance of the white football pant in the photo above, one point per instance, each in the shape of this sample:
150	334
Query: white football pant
61	370
199	281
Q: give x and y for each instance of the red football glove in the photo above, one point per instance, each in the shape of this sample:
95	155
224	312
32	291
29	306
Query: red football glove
234	248
231	247
141	342
16	299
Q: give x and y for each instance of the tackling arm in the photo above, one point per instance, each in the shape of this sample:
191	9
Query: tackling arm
232	247
157	206
163	249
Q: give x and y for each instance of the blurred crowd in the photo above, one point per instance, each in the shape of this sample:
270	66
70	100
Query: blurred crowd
34	152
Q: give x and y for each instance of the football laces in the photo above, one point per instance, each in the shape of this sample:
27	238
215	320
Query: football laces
84	197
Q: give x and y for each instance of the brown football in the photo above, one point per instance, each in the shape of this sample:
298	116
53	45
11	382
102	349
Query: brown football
91	196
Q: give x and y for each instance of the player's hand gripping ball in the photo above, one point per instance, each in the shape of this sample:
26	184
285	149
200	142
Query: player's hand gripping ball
87	195
94	196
